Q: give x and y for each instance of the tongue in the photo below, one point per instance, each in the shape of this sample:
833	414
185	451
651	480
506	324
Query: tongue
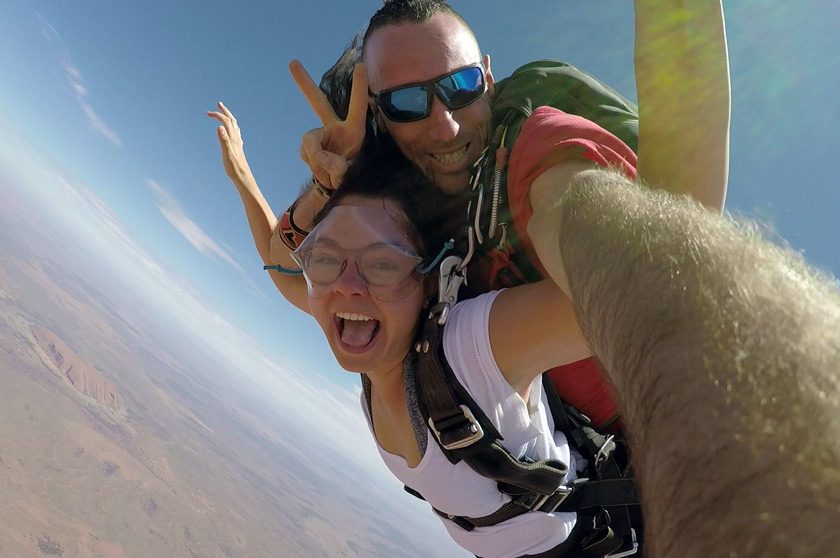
357	334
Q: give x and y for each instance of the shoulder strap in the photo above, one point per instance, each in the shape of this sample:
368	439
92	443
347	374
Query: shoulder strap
462	429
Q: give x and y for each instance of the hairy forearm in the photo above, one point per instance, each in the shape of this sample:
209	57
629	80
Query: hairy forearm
724	351
682	78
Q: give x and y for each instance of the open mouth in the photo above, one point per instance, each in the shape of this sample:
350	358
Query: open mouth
451	157
356	331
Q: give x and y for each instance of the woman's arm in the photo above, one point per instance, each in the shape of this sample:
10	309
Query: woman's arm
533	329
260	217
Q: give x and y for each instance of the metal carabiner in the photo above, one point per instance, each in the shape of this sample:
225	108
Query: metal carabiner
470	249
450	280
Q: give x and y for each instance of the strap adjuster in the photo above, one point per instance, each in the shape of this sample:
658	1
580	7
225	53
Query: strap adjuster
461	434
604	451
631	551
560	494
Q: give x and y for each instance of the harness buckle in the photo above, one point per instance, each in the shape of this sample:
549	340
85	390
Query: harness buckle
630	552
471	432
561	494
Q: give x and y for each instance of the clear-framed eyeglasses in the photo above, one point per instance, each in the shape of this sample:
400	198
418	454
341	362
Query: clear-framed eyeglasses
389	271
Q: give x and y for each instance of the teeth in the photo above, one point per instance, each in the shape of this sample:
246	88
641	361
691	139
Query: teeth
451	157
353	317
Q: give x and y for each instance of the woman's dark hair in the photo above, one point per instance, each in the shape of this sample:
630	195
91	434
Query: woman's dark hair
381	171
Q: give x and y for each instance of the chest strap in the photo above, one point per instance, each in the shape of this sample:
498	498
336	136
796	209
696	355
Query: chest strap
581	495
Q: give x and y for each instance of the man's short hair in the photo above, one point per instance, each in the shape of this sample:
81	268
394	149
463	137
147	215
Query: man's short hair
337	82
395	12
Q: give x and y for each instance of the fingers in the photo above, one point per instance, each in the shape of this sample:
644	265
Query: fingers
225	116
336	167
221	131
310	144
228	122
218	116
225	110
313	94
310	153
329	168
357	110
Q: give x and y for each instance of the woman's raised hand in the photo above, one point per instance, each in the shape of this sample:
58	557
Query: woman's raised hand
230	140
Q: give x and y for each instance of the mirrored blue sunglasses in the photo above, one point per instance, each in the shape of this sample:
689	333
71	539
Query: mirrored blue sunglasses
409	103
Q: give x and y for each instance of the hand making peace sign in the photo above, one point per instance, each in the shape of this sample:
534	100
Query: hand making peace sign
329	149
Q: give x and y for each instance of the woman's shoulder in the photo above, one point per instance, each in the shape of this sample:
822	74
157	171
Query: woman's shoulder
471	307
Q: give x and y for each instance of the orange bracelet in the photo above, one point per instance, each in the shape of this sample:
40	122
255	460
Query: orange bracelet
290	234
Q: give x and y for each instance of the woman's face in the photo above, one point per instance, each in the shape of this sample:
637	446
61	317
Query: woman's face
368	318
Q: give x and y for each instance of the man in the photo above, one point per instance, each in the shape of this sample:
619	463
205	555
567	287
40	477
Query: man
723	350
683	88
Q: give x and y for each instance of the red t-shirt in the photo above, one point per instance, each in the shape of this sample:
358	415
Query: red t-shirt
548	137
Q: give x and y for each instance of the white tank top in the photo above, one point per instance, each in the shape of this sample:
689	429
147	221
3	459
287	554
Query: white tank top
527	429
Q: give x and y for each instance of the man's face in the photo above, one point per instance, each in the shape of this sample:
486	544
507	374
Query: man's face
447	142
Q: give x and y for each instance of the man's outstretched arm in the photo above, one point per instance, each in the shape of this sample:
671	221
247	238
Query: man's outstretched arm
724	351
682	80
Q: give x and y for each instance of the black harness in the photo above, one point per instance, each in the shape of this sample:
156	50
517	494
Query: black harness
606	501
609	520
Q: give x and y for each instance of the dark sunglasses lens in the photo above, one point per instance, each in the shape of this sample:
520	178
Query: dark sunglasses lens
406	104
461	88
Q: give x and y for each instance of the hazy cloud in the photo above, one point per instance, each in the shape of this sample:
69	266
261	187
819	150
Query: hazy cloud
74	80
195	235
99	125
47	30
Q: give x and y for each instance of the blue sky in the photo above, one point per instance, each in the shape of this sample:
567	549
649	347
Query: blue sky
114	94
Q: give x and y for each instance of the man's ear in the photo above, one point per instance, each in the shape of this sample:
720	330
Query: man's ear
488	75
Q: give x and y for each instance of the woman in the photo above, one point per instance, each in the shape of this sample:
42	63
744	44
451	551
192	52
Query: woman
364	263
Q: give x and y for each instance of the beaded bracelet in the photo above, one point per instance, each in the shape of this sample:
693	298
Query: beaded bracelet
322	190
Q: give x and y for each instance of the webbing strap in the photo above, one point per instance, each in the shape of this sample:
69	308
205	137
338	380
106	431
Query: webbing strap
461	428
582	495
